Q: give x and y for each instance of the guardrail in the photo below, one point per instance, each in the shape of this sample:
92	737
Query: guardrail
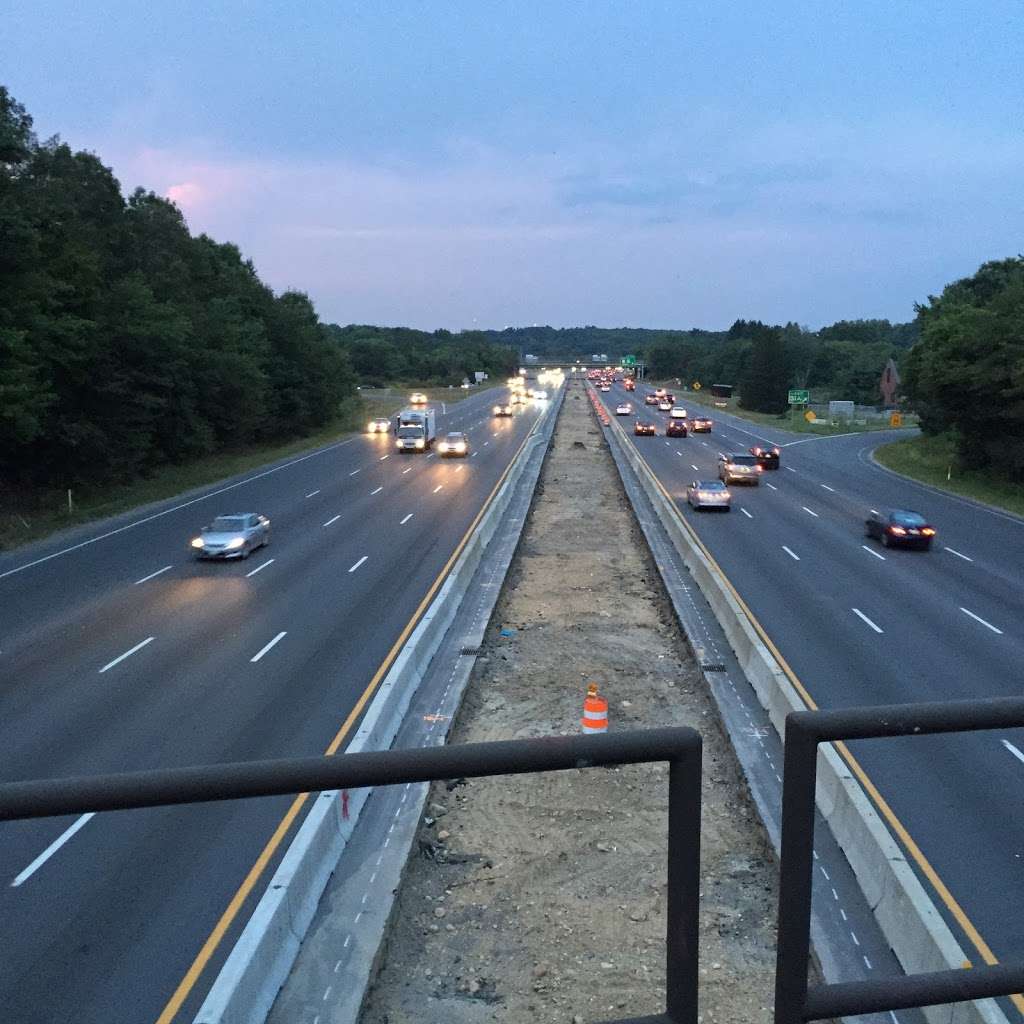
794	1003
680	747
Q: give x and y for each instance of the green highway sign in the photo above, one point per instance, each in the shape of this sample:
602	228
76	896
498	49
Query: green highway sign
629	360
799	396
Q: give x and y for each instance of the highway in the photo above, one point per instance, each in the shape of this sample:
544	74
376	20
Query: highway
860	624
120	652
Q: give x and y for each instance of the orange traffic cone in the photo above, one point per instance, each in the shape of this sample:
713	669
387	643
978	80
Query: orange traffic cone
595	711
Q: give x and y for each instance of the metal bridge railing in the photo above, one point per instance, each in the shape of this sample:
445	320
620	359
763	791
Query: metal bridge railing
680	747
794	1002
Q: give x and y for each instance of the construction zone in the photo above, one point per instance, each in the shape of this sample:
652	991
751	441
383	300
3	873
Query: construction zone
542	897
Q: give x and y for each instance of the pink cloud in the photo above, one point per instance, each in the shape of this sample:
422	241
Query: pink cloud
188	195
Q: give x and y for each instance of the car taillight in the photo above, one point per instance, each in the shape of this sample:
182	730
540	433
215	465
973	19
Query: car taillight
760	468
928	531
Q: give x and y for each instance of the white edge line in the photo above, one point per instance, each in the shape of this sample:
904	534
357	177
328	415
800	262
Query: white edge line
359	563
258	568
153	575
863	617
175	508
264	650
127	654
978	618
51	849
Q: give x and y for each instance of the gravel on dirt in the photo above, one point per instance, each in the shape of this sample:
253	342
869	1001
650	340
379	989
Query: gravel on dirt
541	898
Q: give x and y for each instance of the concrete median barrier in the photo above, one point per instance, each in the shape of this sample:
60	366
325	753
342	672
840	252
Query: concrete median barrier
259	963
907	916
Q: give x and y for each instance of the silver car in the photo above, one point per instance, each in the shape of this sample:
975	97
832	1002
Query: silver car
232	536
708	494
734	468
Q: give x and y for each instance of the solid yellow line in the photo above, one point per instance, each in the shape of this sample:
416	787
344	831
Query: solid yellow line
209	947
950	901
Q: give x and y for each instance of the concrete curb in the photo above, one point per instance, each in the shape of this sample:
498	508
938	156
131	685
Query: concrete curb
259	963
908	918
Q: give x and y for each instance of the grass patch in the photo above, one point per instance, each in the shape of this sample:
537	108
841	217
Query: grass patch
791	420
33	514
932	460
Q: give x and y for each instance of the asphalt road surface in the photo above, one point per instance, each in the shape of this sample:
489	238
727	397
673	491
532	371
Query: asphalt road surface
120	652
861	624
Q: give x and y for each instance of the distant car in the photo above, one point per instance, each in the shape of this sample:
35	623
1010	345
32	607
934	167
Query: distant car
630	384
417	398
650	399
642	429
660	392
708	494
540	395
676	428
664	406
678	412
700	425
624	409
503	410
734	468
232	536
380	426
606	387
767	458
900	527
455	445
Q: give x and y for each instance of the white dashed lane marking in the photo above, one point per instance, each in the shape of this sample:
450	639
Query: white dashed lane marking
379	489
1013	750
792	554
23	876
860	615
127	654
958	555
153	575
277	639
313	493
746	513
359	563
333	519
978	618
406	519
259	568
870	551
772	486
827	488
809	512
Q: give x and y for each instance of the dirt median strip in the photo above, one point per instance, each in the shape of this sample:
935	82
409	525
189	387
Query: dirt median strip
542	897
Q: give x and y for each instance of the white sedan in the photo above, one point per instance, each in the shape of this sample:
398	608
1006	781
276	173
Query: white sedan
624	409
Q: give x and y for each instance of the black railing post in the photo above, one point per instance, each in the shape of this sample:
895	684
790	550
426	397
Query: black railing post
682	924
797	866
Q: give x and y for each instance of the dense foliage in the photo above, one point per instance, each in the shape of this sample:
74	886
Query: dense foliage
843	360
381	355
966	374
124	341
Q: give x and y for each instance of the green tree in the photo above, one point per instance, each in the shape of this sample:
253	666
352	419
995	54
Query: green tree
966	374
766	378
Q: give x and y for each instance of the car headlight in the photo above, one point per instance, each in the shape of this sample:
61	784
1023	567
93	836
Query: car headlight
198	542
419	442
398	444
371	427
235	543
497	409
460	447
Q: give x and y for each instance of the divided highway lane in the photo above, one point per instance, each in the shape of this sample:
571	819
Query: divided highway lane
102	917
861	624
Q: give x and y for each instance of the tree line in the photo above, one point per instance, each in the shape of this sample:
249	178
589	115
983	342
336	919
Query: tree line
386	355
125	342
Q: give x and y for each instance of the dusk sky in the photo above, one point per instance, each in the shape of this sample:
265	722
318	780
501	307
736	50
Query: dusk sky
486	164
